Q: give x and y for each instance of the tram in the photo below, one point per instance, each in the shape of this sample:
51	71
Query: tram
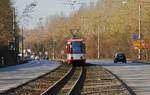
75	51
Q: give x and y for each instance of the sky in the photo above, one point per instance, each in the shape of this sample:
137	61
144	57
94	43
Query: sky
44	9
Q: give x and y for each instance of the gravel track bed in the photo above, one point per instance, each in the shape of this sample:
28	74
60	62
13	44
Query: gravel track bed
67	87
98	81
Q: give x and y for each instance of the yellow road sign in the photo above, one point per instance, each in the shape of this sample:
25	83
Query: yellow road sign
141	44
137	44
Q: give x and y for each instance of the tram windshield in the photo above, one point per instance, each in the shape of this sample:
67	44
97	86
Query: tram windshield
77	47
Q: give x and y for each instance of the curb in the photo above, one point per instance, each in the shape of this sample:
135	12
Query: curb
141	61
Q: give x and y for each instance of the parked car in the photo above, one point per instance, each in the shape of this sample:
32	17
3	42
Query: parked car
28	59
120	57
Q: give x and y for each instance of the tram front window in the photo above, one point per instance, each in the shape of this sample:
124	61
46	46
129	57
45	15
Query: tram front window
76	47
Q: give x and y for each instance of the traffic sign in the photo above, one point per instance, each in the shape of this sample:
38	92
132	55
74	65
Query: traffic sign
141	44
145	44
135	36
137	44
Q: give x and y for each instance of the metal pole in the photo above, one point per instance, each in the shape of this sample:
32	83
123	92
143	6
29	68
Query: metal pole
139	50
53	50
15	47
14	34
22	45
98	44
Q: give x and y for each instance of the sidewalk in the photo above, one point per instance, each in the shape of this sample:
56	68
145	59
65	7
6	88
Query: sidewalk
14	76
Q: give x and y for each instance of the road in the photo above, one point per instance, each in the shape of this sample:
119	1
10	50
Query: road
16	75
135	75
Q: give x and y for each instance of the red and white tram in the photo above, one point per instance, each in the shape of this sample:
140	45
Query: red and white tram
75	51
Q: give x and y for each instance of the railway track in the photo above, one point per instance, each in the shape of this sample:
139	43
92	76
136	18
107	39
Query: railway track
73	86
67	80
62	81
101	82
69	84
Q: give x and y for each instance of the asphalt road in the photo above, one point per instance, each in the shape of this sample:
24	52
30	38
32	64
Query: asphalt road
13	76
135	75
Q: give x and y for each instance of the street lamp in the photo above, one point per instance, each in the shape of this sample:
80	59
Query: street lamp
14	30
139	34
98	39
73	3
96	28
124	2
139	55
25	13
139	21
98	43
53	54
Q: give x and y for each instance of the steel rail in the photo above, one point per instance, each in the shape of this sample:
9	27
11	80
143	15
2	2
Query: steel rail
54	89
76	88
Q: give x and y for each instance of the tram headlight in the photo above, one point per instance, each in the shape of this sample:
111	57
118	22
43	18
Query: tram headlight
71	57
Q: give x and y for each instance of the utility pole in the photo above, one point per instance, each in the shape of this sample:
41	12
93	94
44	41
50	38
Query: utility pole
98	43
98	35
139	34
140	1
53	51
53	46
139	22
14	34
25	12
14	39
22	45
